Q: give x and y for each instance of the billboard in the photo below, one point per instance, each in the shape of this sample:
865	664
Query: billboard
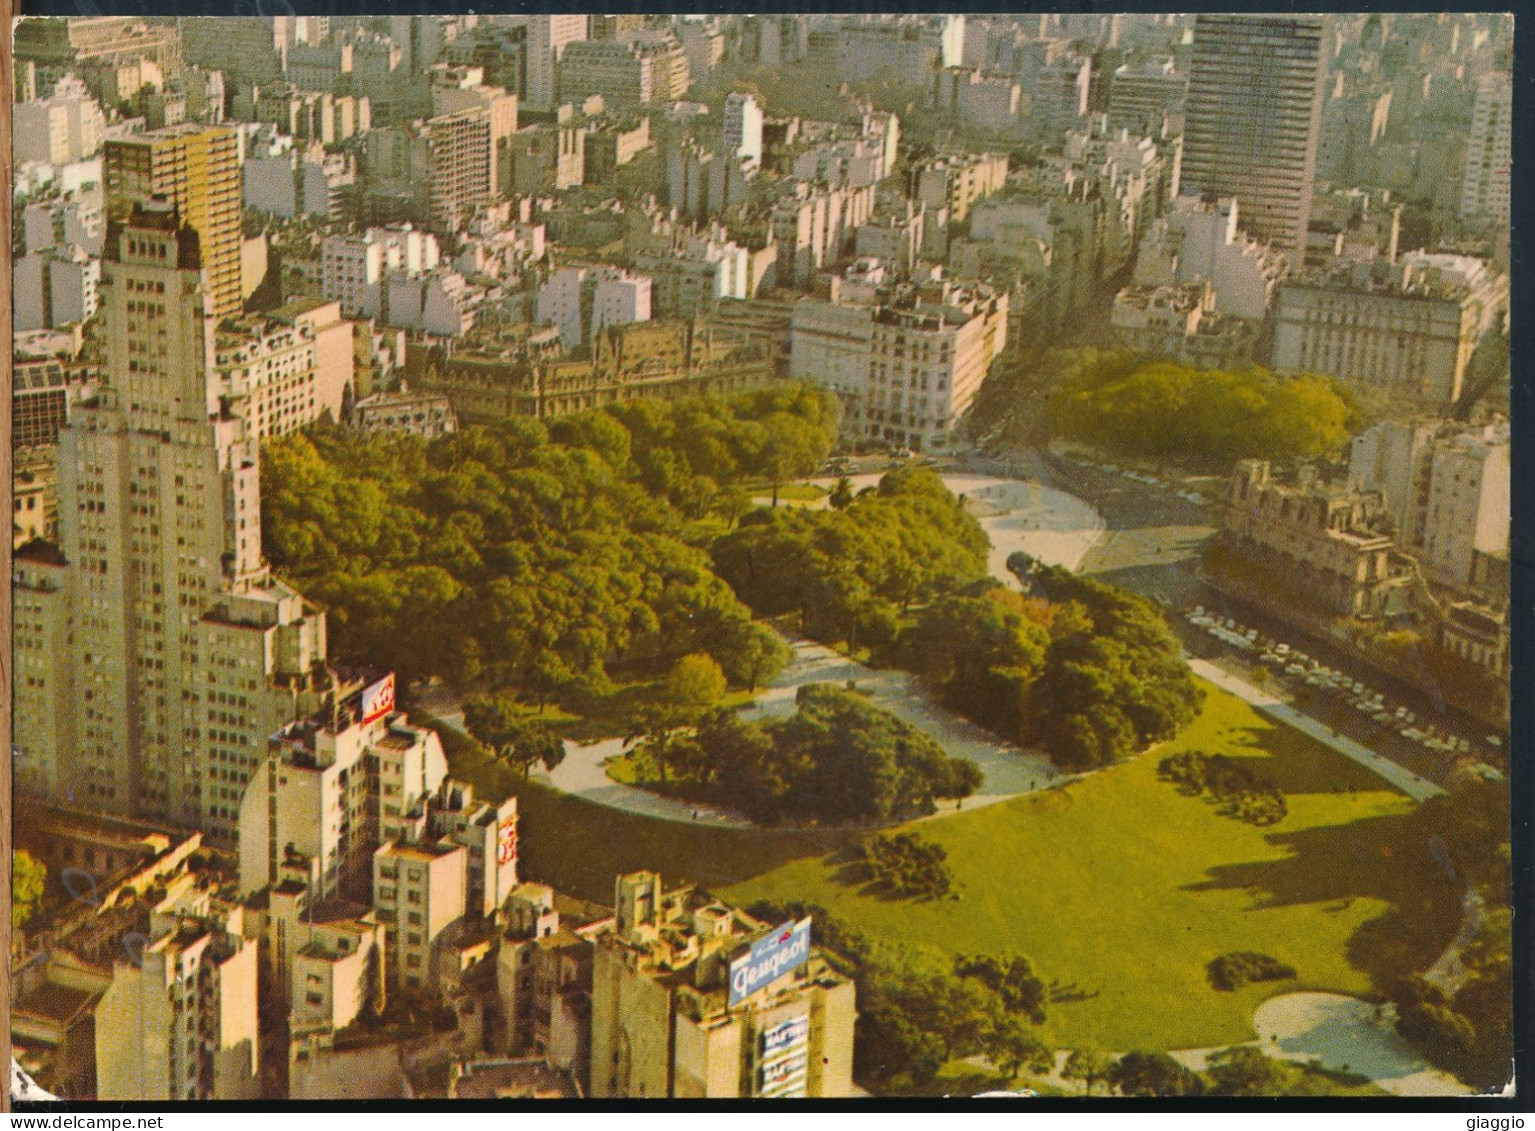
785	1077
506	843
378	699
770	957
785	1036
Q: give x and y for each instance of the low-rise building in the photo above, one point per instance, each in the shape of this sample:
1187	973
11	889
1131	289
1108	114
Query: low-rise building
427	415
1181	322
1325	540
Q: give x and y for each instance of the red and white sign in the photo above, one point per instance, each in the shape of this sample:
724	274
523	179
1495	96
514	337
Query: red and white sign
378	699
507	847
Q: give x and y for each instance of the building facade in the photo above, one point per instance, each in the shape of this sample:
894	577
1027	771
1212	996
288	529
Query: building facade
668	1023
907	366
1253	115
187	653
195	168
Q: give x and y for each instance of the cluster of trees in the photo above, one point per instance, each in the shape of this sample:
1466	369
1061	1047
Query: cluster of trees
906	866
1238	791
1164	410
1114	679
1088	672
850	573
538	557
499	723
1011	977
1240	967
838	759
1469	1031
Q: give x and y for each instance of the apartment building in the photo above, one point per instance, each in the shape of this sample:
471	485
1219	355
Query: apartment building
906	366
1407	329
332	788
287	368
196	169
178	1023
1325	540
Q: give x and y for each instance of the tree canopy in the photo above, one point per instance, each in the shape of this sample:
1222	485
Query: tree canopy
533	556
837	759
1162	409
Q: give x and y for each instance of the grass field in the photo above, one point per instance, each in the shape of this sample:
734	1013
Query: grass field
1117	887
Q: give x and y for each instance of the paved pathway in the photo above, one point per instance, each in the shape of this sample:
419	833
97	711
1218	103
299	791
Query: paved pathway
1346	1033
1342	1032
1403	779
1017	514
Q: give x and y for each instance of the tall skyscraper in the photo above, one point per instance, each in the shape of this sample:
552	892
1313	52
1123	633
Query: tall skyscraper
547	38
1484	191
1252	118
155	652
197	169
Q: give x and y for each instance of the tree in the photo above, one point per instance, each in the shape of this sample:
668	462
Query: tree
1012	1046
493	720
905	865
842	494
534	742
1154	1074
791	446
29	878
1012	978
1089	1064
693	686
1246	1071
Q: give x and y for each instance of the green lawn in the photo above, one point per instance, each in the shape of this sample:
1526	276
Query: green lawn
1117	887
1121	889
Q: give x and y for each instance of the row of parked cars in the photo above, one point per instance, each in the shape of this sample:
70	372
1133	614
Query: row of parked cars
1303	669
1142	477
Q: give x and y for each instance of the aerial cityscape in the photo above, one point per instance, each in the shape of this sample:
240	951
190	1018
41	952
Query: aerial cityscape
761	556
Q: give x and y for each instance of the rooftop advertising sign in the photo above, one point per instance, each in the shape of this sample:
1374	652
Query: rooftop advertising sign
771	957
378	699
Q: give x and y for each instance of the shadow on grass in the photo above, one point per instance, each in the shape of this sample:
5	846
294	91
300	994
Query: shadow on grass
1296	764
852	872
1388	858
579	846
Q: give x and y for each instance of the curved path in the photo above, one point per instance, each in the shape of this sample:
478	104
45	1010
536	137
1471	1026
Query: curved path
1343	1033
1346	1033
1017	514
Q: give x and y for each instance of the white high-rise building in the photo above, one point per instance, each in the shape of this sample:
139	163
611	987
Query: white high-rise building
1484	191
743	128
155	650
60	129
1468	504
353	268
582	301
